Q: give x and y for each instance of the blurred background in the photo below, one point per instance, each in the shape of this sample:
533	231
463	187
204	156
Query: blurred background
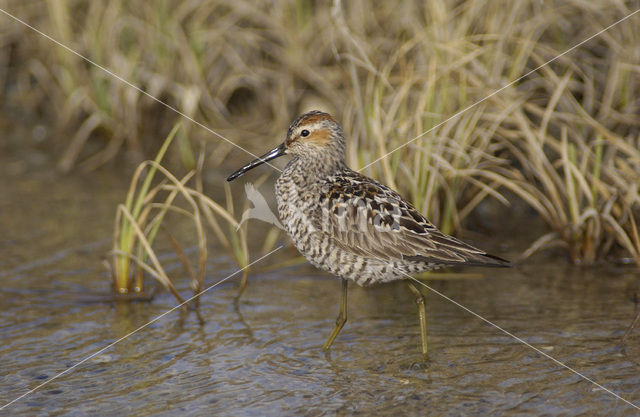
563	140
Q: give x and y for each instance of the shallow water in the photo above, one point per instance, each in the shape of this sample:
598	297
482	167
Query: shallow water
263	356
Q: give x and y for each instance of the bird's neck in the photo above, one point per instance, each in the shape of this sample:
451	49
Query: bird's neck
308	169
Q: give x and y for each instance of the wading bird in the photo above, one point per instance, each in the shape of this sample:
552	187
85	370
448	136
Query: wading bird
351	225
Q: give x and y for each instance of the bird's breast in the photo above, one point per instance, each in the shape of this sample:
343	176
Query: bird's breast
294	205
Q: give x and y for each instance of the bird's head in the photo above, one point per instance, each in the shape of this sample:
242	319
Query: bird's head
313	135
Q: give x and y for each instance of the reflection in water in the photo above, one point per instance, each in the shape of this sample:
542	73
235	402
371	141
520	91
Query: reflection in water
241	320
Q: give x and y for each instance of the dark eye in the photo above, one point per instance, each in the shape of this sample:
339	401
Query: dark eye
304	133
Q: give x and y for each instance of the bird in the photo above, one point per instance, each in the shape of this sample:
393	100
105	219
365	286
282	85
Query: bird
353	226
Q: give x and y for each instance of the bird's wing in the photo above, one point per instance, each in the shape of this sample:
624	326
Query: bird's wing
369	219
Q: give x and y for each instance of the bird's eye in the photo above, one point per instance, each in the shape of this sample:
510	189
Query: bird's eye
304	133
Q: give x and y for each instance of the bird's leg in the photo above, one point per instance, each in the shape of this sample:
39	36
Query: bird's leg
422	313
342	317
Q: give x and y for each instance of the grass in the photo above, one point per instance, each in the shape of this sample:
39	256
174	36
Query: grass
143	214
564	139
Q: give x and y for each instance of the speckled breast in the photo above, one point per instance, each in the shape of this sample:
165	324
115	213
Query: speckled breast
300	211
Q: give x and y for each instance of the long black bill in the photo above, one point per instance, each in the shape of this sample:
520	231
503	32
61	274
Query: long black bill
272	154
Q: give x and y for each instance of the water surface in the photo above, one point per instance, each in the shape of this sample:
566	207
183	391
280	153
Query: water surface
263	356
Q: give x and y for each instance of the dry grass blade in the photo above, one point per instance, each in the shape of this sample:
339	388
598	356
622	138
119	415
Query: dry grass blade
236	245
137	229
152	203
157	271
124	237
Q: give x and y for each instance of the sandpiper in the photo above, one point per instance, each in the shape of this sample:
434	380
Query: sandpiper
353	226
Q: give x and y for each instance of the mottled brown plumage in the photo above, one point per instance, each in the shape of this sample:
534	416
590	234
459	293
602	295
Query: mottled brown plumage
351	225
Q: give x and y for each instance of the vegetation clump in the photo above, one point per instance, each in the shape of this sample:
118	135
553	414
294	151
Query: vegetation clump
432	92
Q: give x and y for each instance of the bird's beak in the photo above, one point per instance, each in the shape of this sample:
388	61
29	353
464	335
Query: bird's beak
272	154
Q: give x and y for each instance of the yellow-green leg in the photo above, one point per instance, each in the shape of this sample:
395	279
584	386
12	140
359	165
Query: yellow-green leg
422	313
342	317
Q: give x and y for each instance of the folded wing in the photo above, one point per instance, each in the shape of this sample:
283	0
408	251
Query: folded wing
369	219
